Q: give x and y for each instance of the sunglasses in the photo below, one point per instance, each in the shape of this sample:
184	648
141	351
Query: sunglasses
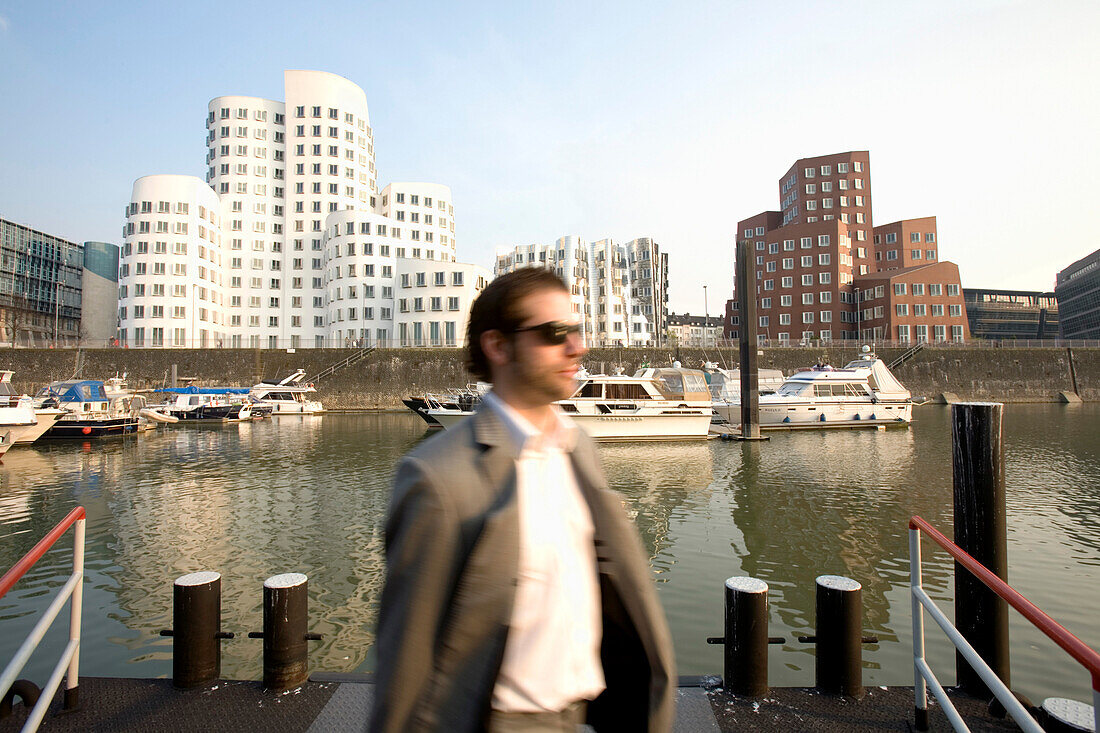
553	333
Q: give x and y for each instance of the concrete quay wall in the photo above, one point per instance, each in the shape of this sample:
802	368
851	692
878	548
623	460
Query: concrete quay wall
384	376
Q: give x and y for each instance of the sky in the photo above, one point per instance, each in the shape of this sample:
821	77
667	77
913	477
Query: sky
610	119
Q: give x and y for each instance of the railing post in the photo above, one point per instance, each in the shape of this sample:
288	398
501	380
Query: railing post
76	604
920	689
981	616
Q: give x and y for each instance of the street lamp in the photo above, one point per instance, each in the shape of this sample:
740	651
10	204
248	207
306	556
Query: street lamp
706	317
56	311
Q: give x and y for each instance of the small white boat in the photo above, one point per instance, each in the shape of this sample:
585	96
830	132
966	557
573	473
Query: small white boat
654	404
158	413
27	423
288	396
864	393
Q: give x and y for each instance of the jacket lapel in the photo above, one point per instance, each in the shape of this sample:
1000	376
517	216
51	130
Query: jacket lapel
499	453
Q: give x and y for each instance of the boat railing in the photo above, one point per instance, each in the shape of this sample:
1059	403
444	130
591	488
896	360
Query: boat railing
73	588
1077	649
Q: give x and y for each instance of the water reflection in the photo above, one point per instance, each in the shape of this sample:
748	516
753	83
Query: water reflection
309	494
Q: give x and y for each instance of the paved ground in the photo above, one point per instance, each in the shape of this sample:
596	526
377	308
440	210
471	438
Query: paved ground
339	703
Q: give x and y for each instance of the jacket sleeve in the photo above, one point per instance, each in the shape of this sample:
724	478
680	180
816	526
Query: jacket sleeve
422	536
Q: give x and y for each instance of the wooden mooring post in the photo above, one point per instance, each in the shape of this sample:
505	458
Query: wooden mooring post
978	474
746	341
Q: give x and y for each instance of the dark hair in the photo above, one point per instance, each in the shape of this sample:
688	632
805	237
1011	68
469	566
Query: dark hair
498	308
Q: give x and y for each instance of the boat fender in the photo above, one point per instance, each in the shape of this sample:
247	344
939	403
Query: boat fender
872	417
856	417
787	418
822	418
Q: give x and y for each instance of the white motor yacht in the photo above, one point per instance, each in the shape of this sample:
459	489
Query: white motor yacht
863	393
288	396
725	388
654	404
667	403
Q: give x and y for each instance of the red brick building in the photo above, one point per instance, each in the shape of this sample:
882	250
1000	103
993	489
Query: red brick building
812	255
923	303
906	243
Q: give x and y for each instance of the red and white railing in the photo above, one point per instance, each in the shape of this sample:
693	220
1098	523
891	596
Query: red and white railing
1073	646
70	658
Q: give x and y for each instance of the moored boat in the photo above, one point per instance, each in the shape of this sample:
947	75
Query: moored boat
192	404
18	415
88	411
288	396
863	393
653	404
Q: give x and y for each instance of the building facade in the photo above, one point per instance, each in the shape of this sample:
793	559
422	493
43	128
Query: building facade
288	242
920	304
685	329
99	294
812	255
40	287
906	243
1077	289
619	291
1011	314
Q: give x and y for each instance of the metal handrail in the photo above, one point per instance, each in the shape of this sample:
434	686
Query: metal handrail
74	587
1077	649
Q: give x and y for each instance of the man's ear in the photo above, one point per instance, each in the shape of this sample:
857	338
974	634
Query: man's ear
496	346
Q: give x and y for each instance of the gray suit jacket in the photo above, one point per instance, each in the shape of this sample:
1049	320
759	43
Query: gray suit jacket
452	544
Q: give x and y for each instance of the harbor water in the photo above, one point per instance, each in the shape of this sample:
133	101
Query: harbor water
309	495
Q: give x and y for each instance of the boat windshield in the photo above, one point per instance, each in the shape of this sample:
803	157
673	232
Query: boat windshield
796	389
718	385
679	384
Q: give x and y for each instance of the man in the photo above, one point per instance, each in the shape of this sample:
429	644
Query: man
517	596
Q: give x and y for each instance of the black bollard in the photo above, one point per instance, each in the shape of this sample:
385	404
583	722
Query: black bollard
286	614
981	531
839	665
196	629
745	668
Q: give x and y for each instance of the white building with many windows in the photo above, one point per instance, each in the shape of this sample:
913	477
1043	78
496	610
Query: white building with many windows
288	243
619	290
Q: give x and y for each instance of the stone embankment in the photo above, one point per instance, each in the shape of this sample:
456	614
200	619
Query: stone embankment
384	376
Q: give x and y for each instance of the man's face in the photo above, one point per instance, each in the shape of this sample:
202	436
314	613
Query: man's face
545	372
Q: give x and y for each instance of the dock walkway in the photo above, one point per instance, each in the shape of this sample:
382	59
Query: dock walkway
335	703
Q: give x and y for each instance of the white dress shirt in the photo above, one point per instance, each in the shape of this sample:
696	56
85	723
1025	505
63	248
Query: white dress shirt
552	655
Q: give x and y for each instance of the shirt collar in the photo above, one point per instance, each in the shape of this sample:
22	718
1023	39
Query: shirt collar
561	435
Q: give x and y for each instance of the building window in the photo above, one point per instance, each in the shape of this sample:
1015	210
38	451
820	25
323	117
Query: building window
902	309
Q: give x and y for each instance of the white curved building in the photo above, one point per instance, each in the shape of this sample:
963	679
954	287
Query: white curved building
378	293
170	281
285	180
423	215
621	289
